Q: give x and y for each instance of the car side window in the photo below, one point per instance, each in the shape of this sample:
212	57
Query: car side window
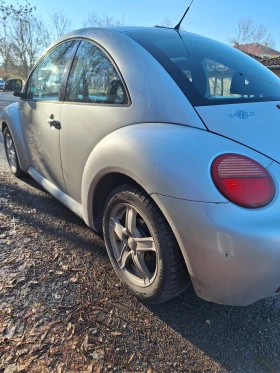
45	81
94	79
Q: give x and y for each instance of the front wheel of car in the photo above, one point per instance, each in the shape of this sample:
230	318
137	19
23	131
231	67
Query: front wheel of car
11	154
142	247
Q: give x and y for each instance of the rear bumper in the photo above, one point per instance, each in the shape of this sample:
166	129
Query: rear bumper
232	253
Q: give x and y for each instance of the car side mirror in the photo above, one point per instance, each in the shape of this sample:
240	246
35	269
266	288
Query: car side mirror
20	94
13	85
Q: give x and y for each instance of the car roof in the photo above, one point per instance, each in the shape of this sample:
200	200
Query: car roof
109	34
91	31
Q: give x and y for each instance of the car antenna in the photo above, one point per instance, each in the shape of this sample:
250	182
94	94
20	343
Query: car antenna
177	27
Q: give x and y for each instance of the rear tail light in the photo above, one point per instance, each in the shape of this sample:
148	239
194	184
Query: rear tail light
242	180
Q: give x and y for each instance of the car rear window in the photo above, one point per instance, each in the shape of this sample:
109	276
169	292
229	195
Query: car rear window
209	72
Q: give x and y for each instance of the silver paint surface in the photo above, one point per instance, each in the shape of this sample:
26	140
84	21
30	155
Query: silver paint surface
161	142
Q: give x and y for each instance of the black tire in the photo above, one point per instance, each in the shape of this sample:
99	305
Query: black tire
171	275
14	166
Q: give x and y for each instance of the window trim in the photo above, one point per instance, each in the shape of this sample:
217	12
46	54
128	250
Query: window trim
65	74
110	58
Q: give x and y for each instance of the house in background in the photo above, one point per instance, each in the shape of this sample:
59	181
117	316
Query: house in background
262	53
258	50
273	64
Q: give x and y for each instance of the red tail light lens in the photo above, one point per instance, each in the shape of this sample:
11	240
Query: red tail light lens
242	180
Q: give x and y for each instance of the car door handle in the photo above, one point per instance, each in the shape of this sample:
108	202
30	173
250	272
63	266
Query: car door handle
54	123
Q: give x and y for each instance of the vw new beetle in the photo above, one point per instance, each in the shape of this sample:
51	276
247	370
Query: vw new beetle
168	143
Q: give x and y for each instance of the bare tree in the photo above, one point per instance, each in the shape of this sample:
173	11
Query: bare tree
166	22
60	23
95	20
23	36
248	32
10	10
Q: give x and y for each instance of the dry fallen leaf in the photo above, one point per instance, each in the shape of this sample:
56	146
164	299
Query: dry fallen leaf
11	368
25	364
44	278
73	345
73	279
54	257
59	367
23	351
10	332
97	369
69	327
59	273
11	283
85	345
95	355
116	333
89	368
131	358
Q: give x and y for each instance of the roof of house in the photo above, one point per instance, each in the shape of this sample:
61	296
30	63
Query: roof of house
258	58
271	62
257	49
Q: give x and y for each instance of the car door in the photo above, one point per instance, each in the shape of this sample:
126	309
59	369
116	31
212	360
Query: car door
96	103
41	111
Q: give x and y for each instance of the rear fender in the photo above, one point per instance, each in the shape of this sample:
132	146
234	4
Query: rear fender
166	159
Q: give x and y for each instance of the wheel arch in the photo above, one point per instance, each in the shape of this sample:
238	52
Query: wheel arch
97	192
11	120
106	184
103	188
3	126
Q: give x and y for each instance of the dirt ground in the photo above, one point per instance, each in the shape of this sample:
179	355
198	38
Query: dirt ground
63	309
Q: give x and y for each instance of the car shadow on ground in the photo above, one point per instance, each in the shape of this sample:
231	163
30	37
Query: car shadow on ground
241	339
54	216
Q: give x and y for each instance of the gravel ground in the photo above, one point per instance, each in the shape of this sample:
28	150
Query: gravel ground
62	308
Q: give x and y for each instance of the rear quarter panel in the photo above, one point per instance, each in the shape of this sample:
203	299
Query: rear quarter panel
154	97
165	159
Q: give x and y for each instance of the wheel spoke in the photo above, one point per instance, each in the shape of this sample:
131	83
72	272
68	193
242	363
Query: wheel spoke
8	142
120	230
125	256
130	222
145	244
141	268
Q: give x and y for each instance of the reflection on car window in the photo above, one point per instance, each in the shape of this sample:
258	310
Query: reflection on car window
219	79
94	79
209	72
46	79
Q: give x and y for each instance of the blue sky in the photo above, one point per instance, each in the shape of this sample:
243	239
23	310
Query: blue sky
213	18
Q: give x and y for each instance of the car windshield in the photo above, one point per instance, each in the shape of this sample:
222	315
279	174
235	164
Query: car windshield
2	81
209	72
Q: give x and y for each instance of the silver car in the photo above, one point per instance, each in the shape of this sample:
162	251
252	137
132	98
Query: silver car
168	143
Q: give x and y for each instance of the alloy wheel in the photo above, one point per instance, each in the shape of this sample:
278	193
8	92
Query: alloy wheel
133	245
11	152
